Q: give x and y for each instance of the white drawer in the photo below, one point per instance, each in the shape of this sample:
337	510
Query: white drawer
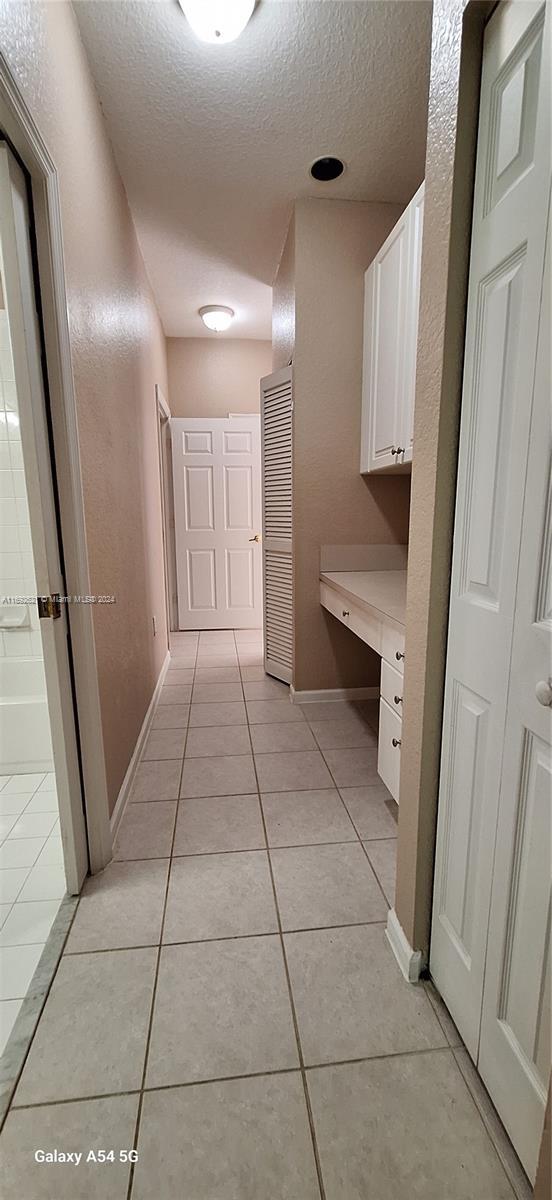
392	647
389	748
391	687
366	627
334	603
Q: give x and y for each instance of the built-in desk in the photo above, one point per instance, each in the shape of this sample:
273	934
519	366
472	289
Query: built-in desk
372	604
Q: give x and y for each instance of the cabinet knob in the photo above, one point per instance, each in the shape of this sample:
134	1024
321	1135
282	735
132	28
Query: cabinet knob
345	612
399	654
396	742
398	699
400	450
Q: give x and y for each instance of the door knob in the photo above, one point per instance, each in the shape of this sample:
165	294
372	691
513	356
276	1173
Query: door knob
543	692
396	742
398	699
257	538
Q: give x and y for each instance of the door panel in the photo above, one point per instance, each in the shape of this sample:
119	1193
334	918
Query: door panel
493	765
386	286
514	1055
277	461
217	492
45	565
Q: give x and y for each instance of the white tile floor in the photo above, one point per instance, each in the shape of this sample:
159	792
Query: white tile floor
32	884
227	1002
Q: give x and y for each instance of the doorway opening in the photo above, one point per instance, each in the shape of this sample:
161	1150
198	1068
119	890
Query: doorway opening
43	839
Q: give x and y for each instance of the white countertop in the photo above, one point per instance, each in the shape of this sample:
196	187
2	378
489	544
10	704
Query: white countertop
384	591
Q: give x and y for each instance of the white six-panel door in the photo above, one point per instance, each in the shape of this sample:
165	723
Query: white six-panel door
217	512
514	1056
494	752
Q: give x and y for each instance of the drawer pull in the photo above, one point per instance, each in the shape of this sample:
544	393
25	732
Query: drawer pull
399	654
345	613
398	699
395	742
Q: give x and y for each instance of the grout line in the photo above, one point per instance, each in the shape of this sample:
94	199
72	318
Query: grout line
365	852
233	937
188	1083
156	976
45	999
295	1021
251	1074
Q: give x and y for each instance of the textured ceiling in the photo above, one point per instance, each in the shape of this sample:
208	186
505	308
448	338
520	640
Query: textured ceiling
214	142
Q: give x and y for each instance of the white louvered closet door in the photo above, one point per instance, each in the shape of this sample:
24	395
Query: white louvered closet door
277	434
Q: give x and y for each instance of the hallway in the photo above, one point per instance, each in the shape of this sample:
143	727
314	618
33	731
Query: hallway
227	1001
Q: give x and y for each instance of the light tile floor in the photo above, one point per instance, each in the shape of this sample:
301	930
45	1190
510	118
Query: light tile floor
227	1002
32	884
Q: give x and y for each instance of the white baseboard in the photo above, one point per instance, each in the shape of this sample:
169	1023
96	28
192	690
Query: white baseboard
410	961
126	785
30	767
327	694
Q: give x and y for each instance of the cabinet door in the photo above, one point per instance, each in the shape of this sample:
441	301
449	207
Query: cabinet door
386	283
415	231
389	749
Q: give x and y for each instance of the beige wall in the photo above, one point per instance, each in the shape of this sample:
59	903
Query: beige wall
118	355
283	304
452	128
210	377
334	243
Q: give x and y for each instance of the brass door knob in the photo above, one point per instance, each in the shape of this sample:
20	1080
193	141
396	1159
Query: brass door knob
256	538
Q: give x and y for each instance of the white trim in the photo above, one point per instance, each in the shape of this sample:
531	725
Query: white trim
30	767
19	126
327	694
412	962
124	792
162	402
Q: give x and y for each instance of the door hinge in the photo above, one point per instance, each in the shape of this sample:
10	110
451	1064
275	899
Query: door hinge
49	606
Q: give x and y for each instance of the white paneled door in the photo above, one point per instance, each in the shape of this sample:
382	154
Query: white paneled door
217	512
491	916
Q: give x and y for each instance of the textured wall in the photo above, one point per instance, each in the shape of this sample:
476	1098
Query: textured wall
118	354
451	140
335	241
283	304
210	377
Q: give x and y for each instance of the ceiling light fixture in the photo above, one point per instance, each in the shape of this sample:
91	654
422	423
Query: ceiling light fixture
216	317
217	21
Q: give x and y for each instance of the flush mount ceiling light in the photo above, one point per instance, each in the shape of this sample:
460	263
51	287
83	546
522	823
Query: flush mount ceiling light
217	21
216	317
327	168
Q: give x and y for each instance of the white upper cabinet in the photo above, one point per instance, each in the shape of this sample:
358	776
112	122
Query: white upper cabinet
391	304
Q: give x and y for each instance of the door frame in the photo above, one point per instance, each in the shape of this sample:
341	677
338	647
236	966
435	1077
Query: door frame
167	511
22	133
